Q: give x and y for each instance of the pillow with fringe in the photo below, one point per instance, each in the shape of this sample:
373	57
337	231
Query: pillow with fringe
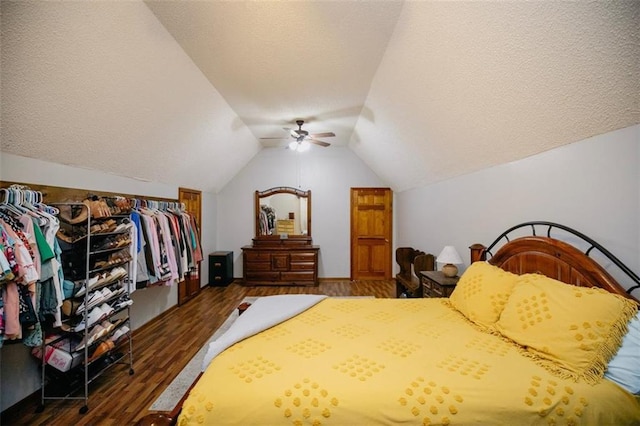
571	331
482	292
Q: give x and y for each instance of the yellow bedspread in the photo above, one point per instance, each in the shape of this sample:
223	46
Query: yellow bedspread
391	361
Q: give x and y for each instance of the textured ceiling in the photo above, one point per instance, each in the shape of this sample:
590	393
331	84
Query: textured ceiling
420	90
442	88
278	61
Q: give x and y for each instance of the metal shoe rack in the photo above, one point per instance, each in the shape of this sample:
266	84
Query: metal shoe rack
99	337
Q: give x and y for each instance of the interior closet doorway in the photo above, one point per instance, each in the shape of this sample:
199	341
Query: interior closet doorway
371	231
190	286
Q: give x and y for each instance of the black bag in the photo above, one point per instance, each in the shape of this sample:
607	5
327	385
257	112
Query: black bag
27	312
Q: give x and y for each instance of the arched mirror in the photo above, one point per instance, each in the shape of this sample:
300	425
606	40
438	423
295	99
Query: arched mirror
283	213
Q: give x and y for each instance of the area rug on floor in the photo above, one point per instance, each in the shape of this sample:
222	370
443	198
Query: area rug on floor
172	394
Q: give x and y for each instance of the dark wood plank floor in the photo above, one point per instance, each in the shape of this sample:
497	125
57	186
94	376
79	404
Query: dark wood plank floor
161	349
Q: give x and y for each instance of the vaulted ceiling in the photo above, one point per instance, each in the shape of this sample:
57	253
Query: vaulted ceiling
421	91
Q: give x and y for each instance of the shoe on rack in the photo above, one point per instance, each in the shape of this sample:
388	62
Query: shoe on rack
98	332
106	294
73	214
117	292
117	273
101	349
122	302
123	241
108	326
88	339
123	226
70	307
107	309
94	299
122	331
91	283
69	236
92	317
103	278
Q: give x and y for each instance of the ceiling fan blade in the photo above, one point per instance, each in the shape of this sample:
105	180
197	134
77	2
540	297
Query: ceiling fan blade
280	138
318	142
292	132
322	135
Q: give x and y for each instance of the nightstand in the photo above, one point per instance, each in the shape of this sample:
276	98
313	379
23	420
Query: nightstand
435	284
220	268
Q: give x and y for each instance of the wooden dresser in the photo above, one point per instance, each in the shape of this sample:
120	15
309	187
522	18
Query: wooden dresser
280	262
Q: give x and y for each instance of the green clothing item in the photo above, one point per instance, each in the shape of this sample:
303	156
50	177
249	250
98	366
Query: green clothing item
43	247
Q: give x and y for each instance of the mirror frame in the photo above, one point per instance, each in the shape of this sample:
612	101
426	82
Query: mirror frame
281	190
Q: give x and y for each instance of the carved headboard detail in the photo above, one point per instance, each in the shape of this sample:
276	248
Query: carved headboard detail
555	259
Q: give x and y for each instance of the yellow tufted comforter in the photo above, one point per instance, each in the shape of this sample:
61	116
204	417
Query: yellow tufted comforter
391	361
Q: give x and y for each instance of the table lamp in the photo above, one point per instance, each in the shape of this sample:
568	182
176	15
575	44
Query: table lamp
450	257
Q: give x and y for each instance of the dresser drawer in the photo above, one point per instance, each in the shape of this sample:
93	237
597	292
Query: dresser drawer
426	284
298	276
302	266
259	266
303	257
436	291
436	284
257	256
262	276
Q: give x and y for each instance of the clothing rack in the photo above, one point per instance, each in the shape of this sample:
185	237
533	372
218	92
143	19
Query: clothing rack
157	205
22	196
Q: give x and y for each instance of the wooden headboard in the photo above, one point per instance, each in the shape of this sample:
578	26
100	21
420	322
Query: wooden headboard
555	259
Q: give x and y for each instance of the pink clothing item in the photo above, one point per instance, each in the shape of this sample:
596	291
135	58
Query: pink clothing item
11	299
27	272
171	254
29	233
198	249
150	224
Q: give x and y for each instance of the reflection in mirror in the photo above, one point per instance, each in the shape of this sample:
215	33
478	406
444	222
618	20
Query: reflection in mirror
283	214
282	211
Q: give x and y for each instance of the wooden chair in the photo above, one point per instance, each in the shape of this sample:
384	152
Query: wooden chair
411	262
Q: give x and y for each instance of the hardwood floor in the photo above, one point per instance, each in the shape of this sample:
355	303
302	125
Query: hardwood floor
161	349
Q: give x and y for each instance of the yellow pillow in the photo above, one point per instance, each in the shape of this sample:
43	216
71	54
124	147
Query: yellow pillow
572	331
482	293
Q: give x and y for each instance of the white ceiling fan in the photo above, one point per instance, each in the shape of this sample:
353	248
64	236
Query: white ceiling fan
302	138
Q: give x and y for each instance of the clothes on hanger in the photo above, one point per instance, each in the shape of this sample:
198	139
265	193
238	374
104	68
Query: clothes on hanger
169	242
30	284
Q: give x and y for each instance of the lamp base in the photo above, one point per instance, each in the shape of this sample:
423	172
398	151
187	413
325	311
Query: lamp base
449	270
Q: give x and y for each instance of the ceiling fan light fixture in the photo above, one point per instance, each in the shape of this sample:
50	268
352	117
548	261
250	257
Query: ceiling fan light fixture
303	146
303	139
299	146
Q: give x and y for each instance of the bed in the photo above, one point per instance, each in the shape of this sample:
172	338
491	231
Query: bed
513	345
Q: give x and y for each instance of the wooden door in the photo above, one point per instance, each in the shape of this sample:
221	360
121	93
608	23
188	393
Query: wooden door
371	229
190	286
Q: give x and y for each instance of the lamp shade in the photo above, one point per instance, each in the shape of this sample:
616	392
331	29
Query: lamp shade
449	254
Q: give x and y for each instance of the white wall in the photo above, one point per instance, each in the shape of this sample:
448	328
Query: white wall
592	186
103	84
328	172
19	369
